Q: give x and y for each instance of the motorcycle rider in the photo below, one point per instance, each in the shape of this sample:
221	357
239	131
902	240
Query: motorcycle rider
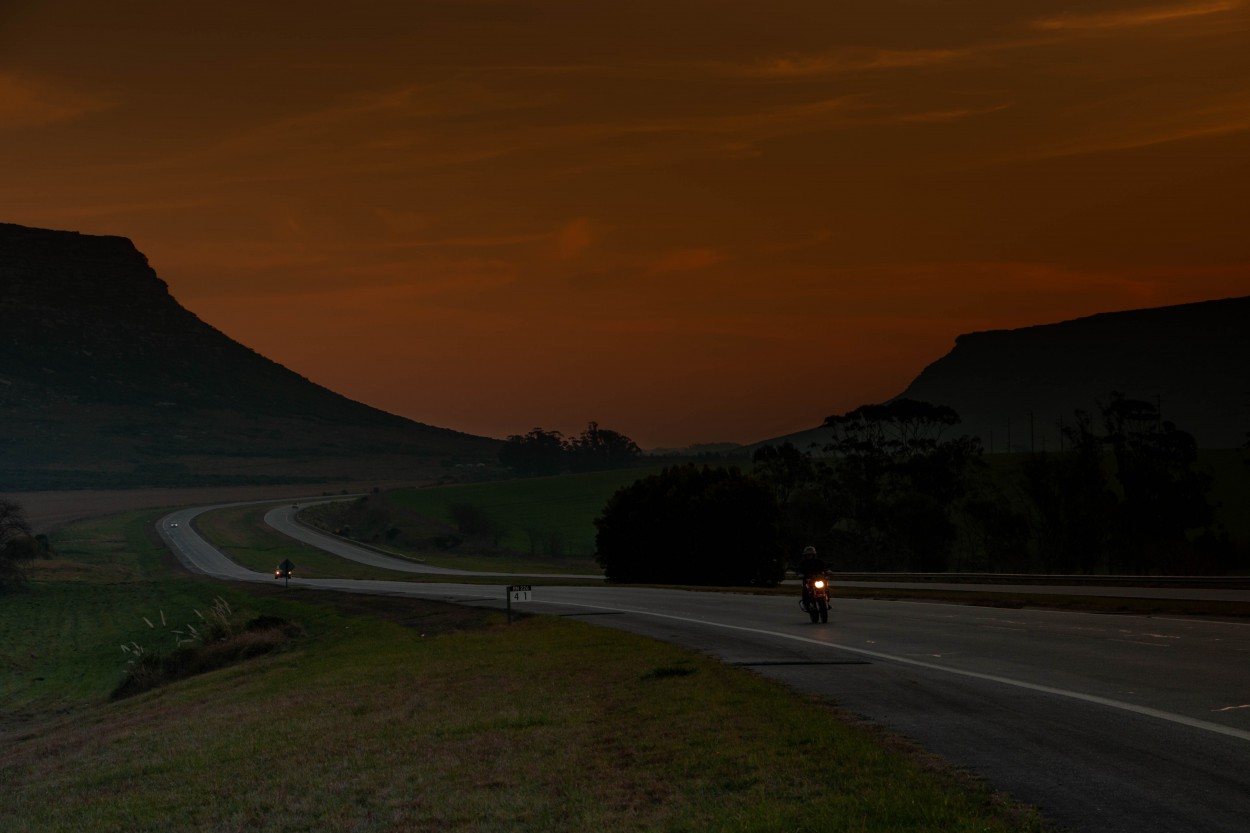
810	567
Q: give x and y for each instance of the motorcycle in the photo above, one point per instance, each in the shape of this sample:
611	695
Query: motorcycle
815	600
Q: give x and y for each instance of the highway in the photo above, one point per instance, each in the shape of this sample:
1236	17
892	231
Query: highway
1104	722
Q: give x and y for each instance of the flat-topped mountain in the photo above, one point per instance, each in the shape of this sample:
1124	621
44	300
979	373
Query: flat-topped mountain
1012	387
105	380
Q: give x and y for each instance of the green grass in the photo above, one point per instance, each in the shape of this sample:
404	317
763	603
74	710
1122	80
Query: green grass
564	506
393	714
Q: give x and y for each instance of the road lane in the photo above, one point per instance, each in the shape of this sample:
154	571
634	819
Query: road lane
1107	723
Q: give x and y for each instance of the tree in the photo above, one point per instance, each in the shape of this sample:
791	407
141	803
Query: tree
691	525
538	452
598	449
1074	506
806	494
1165	499
17	547
1142	508
899	484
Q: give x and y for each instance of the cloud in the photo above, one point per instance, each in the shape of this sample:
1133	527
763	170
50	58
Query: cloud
848	60
1131	18
1219	118
27	102
687	260
938	116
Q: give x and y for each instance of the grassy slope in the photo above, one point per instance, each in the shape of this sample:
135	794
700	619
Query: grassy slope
563	505
399	715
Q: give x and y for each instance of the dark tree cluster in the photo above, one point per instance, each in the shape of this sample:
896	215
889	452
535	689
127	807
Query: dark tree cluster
899	483
692	525
1127	500
17	546
892	493
548	452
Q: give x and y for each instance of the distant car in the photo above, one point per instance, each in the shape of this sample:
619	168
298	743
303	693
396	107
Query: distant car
173	523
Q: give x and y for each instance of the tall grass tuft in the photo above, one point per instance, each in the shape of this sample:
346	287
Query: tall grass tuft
218	641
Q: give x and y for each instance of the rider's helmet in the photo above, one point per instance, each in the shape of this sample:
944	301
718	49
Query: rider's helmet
809	551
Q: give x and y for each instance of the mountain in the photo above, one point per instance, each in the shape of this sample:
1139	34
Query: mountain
1013	388
105	380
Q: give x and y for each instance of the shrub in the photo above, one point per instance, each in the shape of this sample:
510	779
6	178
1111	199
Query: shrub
691	525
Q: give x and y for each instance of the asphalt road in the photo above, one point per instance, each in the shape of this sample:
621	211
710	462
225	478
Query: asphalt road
1106	723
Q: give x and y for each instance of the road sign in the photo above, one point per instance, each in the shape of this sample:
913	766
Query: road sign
517	593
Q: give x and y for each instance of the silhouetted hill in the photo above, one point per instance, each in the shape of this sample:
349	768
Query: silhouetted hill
105	380
1011	388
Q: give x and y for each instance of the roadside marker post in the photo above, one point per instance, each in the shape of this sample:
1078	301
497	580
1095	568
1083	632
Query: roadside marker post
518	593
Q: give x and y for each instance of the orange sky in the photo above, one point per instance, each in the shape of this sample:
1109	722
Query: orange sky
690	220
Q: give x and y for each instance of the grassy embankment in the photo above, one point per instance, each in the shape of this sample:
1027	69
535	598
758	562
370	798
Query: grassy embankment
392	714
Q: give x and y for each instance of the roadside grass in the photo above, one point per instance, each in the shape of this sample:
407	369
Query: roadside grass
61	634
372	727
397	714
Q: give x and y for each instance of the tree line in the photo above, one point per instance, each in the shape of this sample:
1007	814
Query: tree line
895	489
549	452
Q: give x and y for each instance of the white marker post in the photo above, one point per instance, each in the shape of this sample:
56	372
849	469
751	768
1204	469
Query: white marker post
518	593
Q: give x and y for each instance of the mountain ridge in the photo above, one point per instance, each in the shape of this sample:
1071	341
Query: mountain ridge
105	379
1015	388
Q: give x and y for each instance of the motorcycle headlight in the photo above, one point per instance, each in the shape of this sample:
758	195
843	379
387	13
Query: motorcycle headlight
819	584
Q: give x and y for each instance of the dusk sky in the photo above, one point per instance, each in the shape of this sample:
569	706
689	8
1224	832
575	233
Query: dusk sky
690	220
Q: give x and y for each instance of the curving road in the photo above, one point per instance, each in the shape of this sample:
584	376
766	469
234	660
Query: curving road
1107	723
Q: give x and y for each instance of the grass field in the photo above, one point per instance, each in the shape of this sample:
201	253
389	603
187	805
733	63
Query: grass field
532	510
392	714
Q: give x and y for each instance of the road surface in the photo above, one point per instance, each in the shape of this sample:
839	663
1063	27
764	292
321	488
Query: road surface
1106	723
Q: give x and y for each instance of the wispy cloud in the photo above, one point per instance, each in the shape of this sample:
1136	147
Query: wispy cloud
1214	119
1131	18
957	114
687	260
847	60
29	102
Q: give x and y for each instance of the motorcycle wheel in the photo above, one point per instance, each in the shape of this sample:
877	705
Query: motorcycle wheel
814	612
823	610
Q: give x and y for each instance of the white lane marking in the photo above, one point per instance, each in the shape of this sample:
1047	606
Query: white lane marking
1146	711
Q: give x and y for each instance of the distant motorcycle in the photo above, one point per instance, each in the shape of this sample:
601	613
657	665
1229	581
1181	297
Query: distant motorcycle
815	600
